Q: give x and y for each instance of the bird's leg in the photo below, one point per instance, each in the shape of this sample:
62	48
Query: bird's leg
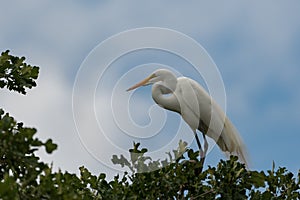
205	144
202	155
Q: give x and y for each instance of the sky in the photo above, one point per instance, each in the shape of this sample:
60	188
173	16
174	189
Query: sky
83	78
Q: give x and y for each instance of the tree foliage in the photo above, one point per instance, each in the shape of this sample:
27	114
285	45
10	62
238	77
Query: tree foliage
180	176
15	74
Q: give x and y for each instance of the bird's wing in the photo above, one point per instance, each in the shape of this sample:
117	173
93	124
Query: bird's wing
199	109
195	102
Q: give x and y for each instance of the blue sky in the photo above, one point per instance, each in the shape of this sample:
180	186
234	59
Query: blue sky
254	45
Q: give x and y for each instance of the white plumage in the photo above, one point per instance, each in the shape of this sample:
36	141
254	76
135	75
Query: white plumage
197	108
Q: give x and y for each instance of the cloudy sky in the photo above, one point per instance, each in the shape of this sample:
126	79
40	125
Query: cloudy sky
254	46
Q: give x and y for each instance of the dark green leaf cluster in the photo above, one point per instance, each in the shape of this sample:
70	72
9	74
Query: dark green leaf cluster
18	162
15	74
22	174
185	179
280	184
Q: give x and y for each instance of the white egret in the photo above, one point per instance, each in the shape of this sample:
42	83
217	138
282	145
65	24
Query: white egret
186	97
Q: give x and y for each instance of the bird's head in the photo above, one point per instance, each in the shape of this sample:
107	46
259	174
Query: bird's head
160	75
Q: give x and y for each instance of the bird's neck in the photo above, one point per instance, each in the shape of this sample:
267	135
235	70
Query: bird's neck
164	96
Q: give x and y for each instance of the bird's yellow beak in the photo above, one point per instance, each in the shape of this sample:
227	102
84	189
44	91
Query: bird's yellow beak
142	83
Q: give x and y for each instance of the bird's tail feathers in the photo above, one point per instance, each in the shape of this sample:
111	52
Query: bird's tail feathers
231	142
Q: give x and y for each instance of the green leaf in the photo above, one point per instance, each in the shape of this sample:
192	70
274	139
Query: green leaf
102	176
50	146
258	179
